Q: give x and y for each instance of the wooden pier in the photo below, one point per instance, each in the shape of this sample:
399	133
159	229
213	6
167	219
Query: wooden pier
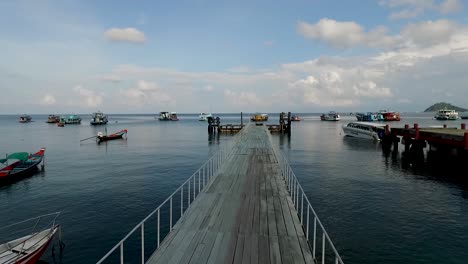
245	215
443	137
283	127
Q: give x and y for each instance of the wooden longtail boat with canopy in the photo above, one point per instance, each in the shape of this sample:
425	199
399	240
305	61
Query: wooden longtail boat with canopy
20	165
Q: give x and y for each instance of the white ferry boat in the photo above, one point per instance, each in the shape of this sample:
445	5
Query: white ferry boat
364	130
446	115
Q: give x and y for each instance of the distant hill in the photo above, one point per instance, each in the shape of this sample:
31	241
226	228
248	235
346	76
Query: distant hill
438	106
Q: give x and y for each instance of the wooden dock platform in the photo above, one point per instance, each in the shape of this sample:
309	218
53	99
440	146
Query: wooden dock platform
444	136
244	216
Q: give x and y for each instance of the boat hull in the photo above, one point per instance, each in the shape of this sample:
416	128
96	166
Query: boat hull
353	132
330	118
107	138
98	123
33	256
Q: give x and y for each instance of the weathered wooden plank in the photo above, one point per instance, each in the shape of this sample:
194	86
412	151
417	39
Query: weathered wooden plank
239	249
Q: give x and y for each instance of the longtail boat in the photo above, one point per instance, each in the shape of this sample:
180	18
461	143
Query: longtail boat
20	165
29	248
101	137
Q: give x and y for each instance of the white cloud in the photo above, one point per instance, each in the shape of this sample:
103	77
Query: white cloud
405	14
450	6
405	9
111	78
240	69
427	55
430	32
146	92
370	89
89	97
346	34
242	98
414	35
48	100
208	88
125	35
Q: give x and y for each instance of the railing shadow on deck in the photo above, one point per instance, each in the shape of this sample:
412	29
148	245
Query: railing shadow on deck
304	209
170	211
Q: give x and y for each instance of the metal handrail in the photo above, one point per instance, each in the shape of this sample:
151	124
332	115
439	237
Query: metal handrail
295	190
193	186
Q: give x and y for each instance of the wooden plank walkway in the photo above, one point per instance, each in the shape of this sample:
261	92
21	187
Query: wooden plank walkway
244	216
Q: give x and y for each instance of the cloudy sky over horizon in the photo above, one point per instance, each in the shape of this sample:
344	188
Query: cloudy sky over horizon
220	56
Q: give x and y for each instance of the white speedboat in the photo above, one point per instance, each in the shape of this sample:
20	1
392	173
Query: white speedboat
204	116
364	130
446	115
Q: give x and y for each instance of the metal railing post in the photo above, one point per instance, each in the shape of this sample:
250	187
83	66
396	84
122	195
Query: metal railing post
194	185
314	243
121	254
302	207
159	226
198	182
143	243
307	225
170	214
203	178
323	248
188	194
181	200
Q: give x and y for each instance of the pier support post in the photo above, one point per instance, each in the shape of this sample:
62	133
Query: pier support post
396	140
289	123
407	141
465	140
242	120
463	126
416	131
445	125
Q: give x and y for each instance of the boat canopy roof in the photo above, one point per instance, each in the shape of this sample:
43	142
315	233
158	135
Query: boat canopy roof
18	155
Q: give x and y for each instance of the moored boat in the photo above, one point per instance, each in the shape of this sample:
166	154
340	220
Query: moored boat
70	119
204	116
295	118
385	115
164	116
98	119
52	119
332	116
367	116
446	114
364	130
173	116
25	119
118	135
20	165
33	240
259	117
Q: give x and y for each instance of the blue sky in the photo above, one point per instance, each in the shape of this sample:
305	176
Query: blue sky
230	56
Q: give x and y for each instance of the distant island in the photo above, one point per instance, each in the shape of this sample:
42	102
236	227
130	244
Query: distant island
439	106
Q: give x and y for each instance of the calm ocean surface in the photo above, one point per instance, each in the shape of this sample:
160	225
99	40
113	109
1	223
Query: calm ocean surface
376	208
